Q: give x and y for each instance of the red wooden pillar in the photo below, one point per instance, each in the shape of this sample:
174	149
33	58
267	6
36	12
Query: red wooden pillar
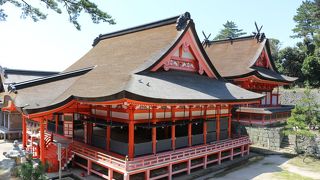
218	111
154	130
190	127
238	117
89	132
147	174
56	120
110	173
229	121
278	95
89	167
263	117
108	128
131	133
24	132
42	143
170	172
173	128
205	124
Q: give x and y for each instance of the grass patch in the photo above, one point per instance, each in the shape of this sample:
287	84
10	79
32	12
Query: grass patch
310	163
286	175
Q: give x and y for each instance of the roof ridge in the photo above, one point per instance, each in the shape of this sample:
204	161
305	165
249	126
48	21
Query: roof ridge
138	28
28	72
29	83
242	38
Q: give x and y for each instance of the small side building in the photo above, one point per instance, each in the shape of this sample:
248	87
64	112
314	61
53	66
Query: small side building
247	62
10	119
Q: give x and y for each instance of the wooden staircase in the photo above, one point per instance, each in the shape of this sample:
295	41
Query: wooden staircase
52	156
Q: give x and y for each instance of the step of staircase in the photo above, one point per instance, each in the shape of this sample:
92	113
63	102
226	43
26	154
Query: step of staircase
286	145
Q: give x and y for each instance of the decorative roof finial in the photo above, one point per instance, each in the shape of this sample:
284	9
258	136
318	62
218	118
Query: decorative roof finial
257	35
206	41
182	21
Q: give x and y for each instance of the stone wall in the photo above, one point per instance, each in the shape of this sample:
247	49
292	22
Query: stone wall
306	142
266	137
292	96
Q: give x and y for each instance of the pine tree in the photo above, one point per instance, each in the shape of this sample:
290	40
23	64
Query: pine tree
304	116
73	8
230	30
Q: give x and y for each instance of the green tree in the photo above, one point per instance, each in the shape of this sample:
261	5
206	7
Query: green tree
291	62
73	8
275	48
311	70
27	171
307	25
304	116
230	30
307	20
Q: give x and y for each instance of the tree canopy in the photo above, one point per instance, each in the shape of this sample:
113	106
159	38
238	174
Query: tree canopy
304	117
230	30
73	8
303	61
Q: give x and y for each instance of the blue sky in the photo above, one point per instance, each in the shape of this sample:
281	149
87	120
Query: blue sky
54	44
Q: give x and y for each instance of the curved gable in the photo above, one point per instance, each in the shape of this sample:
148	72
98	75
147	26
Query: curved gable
187	54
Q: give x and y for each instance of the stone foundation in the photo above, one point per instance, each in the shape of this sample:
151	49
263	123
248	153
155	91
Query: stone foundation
266	137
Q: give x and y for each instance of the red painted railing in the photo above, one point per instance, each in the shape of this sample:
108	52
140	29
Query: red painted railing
98	156
187	153
166	157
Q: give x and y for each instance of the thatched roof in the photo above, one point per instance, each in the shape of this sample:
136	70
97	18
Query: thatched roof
118	66
235	58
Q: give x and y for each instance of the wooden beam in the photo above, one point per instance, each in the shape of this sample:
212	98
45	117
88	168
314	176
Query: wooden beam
78	110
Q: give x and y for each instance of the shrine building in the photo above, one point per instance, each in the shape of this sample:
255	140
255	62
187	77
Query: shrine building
146	102
247	63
